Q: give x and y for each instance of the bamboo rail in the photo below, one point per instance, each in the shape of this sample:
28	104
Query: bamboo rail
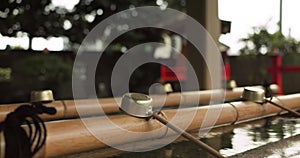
71	136
110	152
67	109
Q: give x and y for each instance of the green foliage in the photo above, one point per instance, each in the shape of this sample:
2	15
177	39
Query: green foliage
34	17
17	48
81	25
5	74
262	42
40	18
44	72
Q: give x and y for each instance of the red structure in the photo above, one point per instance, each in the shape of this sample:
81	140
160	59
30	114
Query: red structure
167	74
226	68
179	72
226	74
277	70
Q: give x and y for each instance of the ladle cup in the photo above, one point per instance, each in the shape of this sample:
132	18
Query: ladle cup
140	105
258	95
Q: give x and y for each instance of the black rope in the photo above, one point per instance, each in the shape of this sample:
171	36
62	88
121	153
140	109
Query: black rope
268	91
18	142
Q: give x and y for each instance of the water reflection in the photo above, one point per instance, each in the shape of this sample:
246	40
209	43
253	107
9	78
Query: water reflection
253	136
232	140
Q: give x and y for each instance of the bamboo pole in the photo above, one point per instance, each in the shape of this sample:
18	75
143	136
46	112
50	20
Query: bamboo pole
60	108
110	152
71	136
67	109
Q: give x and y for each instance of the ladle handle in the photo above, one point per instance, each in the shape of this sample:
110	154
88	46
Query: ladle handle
287	109
187	136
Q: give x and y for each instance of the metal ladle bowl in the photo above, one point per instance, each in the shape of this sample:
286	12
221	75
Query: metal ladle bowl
231	84
258	95
168	88
137	104
254	94
44	96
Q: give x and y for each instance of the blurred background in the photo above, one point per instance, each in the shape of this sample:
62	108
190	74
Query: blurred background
258	40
